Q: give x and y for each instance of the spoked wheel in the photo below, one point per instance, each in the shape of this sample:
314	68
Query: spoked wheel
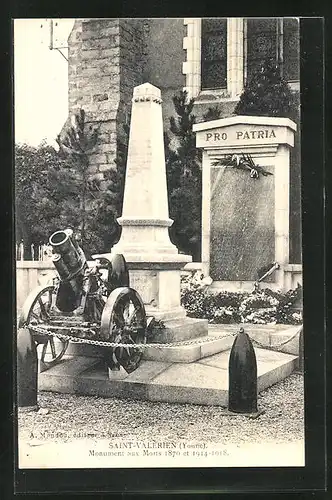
35	311
124	321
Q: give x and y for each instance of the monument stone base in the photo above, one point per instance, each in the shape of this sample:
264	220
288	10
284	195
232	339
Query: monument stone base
193	374
157	280
202	381
179	329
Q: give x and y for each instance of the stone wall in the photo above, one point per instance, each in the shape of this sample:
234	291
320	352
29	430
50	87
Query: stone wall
164	58
295	229
31	274
105	64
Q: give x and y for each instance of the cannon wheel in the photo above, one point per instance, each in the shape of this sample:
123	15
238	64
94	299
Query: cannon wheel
124	320
36	310
119	275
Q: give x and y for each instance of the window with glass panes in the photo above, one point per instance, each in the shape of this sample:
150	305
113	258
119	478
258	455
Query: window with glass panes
214	54
291	47
275	39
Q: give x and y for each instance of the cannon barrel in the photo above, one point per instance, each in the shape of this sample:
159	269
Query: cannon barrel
68	257
70	262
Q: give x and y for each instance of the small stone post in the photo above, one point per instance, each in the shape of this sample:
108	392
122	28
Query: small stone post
27	370
242	368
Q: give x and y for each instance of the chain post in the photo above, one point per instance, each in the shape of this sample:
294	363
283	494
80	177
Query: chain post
27	370
242	368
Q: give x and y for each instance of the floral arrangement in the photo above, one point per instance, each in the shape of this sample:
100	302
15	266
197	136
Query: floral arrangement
243	162
261	306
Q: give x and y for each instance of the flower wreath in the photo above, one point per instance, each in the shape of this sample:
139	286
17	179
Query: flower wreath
243	162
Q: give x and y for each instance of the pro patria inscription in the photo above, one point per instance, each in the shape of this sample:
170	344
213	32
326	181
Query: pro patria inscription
241	134
239	131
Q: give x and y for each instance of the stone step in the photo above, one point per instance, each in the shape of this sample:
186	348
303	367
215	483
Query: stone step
176	330
200	348
283	338
201	382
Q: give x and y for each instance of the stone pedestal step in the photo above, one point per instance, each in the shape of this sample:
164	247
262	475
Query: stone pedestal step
283	338
198	349
181	329
201	382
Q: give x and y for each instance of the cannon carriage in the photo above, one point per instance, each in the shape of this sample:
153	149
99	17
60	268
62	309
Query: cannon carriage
93	305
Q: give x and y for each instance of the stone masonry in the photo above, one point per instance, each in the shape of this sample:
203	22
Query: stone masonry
105	63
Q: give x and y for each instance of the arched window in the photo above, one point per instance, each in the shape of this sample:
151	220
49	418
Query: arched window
262	44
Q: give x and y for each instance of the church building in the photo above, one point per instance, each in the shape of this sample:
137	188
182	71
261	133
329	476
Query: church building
210	58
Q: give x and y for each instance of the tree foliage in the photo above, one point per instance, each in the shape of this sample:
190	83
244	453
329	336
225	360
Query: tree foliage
267	94
184	179
184	176
55	190
75	143
109	205
45	194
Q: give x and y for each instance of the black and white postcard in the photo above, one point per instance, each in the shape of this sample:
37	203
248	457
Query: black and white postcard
158	243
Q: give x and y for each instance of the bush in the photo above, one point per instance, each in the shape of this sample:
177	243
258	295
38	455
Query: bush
222	307
259	307
267	94
45	194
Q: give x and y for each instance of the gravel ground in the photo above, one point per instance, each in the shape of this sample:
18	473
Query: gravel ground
64	418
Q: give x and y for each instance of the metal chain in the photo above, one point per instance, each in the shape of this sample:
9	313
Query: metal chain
101	343
281	344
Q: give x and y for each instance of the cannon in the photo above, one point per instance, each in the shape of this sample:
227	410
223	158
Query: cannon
93	305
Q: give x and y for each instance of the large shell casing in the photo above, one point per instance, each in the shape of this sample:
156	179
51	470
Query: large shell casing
242	368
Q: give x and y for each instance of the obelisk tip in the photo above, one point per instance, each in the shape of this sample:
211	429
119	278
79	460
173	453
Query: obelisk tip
147	90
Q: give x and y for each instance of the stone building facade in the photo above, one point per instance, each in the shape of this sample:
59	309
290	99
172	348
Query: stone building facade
210	58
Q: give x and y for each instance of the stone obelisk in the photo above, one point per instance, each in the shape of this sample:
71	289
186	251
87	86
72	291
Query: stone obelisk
145	219
153	260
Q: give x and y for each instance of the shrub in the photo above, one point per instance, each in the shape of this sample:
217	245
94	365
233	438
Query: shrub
259	307
267	94
45	193
193	296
